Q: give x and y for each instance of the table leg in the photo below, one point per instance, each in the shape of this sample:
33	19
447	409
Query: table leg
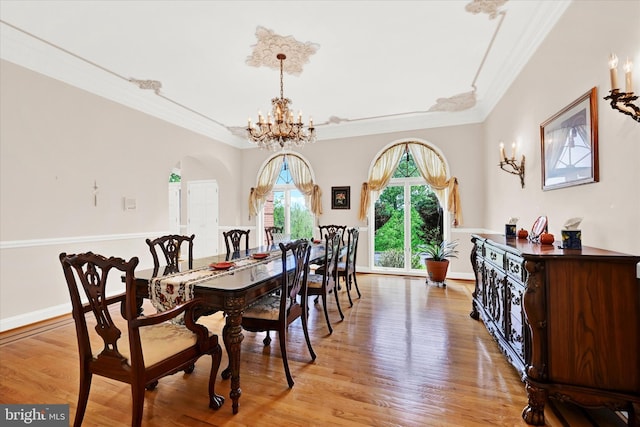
232	337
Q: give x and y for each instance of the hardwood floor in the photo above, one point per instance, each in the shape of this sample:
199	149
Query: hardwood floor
406	354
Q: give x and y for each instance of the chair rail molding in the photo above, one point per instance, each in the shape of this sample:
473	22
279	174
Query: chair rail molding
52	241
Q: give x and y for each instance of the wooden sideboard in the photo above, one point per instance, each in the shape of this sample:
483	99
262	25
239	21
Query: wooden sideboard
567	320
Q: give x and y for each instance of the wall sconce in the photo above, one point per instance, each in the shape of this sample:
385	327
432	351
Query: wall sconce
622	101
515	168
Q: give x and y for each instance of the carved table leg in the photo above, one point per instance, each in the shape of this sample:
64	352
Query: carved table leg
232	337
533	413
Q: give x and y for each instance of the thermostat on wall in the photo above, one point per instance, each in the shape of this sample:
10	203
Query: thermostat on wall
129	204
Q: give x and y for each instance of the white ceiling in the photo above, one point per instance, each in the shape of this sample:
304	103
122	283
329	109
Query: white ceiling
379	65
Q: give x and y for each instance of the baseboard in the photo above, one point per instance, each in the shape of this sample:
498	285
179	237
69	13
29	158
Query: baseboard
34	317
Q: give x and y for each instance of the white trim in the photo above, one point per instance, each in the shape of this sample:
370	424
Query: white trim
13	244
462	230
34	317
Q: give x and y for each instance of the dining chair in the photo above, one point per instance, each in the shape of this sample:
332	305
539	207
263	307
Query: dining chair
171	248
233	241
319	285
331	230
269	231
347	268
133	349
275	312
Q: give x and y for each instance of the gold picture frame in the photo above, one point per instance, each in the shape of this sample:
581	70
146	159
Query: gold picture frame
340	197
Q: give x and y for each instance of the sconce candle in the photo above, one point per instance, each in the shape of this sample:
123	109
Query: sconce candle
511	165
622	101
613	70
627	76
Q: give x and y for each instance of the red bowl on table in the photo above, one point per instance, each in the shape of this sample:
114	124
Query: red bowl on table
222	265
260	256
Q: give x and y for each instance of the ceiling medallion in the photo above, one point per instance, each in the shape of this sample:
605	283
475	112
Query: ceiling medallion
490	7
270	44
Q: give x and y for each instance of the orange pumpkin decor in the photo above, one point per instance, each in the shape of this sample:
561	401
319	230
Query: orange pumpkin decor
523	234
546	238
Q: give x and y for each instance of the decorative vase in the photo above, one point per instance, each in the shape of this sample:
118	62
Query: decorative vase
437	270
523	234
546	238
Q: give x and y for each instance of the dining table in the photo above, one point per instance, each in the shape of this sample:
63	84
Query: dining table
230	290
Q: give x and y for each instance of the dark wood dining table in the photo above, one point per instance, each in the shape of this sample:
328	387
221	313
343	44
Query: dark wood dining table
231	294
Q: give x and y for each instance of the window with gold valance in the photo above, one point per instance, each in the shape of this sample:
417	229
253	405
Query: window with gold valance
302	179
431	166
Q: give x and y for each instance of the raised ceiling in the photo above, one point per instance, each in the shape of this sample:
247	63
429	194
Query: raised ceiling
370	66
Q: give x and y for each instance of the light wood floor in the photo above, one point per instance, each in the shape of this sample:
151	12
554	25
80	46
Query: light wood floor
407	354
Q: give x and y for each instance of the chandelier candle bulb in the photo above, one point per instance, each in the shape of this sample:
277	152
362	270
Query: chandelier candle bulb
502	155
627	76
513	151
613	70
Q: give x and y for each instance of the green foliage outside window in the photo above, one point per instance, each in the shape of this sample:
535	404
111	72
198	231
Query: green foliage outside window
301	221
426	218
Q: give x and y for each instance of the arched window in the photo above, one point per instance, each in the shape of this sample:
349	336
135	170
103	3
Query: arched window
407	185
286	196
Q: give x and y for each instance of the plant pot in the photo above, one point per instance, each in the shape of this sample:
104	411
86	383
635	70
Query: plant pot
437	270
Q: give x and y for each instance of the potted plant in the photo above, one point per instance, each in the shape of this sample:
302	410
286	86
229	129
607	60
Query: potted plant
437	261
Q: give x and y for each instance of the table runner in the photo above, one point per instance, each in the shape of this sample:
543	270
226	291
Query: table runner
165	292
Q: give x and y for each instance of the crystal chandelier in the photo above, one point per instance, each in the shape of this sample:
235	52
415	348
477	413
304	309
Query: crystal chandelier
280	130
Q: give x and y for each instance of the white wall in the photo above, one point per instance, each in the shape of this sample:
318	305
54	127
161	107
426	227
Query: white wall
571	61
55	141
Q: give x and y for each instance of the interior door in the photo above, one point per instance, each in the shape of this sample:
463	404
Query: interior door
202	214
174	207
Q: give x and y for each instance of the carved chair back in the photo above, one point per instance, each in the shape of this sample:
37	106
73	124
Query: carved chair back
171	248
269	231
233	241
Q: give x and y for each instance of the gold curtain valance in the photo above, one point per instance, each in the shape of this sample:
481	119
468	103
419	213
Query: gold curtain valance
302	179
431	167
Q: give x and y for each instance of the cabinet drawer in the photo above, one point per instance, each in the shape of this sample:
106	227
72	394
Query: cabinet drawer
495	256
515	267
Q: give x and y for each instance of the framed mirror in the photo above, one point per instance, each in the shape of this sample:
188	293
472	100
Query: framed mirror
539	227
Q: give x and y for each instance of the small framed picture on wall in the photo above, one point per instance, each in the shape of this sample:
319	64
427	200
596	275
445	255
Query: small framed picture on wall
340	198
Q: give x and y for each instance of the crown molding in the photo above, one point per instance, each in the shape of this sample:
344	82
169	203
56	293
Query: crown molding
27	51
